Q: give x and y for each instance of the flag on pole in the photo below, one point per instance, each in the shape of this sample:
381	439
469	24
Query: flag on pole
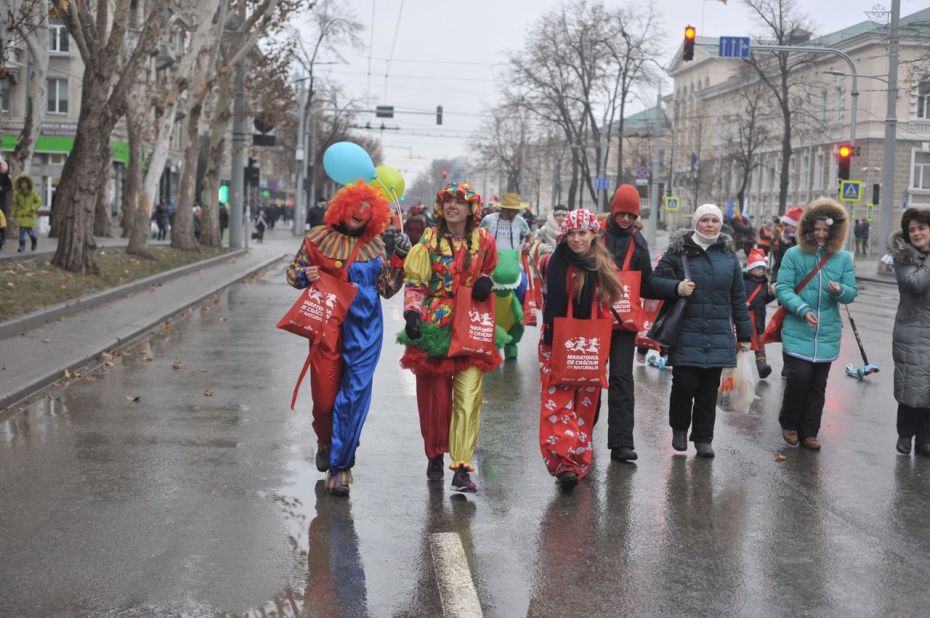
745	210
730	205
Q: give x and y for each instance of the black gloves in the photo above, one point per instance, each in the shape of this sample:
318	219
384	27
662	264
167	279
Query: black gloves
482	288
413	324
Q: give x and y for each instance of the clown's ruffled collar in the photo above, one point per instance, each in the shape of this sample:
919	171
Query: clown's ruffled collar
335	245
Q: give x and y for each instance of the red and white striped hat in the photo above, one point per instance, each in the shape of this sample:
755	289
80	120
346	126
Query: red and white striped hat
793	216
581	219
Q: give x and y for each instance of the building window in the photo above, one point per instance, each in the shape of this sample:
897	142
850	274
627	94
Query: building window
923	99
57	96
4	95
58	38
839	104
920	176
818	170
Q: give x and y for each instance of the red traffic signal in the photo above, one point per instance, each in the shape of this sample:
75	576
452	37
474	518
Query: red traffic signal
843	160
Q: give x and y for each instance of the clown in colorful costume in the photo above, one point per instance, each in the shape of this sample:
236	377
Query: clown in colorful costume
452	254
348	246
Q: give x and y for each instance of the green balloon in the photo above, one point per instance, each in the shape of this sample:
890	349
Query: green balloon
390	181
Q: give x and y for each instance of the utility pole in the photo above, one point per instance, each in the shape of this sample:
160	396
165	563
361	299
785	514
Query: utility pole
654	188
886	220
299	209
311	149
237	184
602	172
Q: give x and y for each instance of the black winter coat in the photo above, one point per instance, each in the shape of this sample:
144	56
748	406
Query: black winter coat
705	337
783	247
763	298
617	242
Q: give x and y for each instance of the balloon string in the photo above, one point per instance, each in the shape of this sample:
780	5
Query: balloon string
395	202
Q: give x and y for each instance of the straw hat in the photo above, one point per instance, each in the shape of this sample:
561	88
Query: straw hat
512	201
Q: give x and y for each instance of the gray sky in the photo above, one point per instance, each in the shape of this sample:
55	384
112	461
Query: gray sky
453	53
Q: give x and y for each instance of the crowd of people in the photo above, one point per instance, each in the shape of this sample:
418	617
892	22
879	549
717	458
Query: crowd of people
595	275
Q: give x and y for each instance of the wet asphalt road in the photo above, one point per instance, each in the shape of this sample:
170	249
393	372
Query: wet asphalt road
187	504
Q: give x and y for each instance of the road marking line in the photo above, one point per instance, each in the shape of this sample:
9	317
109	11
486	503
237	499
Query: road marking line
456	587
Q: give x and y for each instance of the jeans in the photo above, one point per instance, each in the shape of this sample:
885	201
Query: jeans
23	231
693	402
802	405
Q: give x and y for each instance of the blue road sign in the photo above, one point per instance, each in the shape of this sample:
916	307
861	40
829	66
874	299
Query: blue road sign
734	47
600	183
850	190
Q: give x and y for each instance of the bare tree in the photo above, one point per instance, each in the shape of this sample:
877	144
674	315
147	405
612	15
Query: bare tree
30	23
783	24
747	135
503	140
100	37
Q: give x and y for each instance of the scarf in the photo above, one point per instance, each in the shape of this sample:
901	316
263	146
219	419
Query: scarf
617	241
704	242
556	305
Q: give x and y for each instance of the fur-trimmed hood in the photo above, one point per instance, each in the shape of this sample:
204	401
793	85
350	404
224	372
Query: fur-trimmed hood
28	179
680	241
902	251
824	207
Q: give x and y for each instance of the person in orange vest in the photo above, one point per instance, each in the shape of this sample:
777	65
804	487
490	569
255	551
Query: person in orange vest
765	238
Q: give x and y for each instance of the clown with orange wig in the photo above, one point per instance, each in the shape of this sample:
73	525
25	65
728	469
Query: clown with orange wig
349	247
452	254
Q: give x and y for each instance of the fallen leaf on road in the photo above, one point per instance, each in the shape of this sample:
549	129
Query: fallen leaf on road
208	393
222	319
204	370
108	364
176	365
780	457
216	300
106	356
133	397
46	340
9	284
117	353
167	325
148	358
67	375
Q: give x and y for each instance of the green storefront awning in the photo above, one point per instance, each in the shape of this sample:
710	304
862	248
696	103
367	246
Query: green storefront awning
48	143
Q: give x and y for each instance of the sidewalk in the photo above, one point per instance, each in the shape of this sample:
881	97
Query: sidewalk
48	246
40	356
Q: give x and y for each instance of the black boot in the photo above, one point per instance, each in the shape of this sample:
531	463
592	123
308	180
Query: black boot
765	370
680	440
704	449
623	453
322	457
34	242
568	480
904	445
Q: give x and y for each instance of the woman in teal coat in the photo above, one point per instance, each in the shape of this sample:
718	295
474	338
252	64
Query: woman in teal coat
812	330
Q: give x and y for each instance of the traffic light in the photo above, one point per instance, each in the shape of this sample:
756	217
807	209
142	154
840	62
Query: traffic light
843	157
251	175
439	114
688	53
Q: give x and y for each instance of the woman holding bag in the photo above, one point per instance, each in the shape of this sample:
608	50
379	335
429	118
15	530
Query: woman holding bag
453	258
815	277
581	284
705	343
631	255
348	248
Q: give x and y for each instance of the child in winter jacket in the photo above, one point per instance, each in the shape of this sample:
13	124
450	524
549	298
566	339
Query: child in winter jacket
25	205
758	295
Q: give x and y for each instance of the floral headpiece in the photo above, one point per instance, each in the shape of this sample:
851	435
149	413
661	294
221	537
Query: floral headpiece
581	219
462	190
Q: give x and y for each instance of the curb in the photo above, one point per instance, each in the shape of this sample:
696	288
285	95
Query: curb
40	317
23	391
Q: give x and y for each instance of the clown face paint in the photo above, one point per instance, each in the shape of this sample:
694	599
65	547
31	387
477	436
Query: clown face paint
358	217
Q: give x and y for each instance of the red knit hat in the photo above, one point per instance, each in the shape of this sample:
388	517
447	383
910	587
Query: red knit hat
626	199
755	259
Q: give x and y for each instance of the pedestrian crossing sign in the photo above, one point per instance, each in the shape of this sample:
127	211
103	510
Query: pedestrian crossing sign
850	190
672	203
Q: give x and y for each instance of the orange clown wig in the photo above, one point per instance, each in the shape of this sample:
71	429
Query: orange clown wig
348	199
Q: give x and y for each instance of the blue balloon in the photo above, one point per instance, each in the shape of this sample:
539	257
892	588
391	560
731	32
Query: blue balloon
346	162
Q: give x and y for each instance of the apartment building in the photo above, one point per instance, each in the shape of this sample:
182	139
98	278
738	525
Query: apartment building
709	97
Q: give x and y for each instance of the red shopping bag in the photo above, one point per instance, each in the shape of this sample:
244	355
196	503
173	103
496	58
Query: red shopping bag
580	349
628	308
531	299
473	327
650	312
321	308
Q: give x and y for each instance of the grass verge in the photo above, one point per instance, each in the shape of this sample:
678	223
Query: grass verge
28	285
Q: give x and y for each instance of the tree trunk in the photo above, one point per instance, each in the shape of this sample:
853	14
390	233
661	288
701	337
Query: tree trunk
182	232
210	235
785	160
134	120
37	42
102	225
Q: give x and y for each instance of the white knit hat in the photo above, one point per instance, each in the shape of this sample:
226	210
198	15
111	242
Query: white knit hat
706	209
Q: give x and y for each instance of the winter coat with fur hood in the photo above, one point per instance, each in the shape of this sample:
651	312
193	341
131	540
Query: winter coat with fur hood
819	344
705	336
911	324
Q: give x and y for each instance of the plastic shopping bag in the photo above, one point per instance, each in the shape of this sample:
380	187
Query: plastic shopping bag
738	384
